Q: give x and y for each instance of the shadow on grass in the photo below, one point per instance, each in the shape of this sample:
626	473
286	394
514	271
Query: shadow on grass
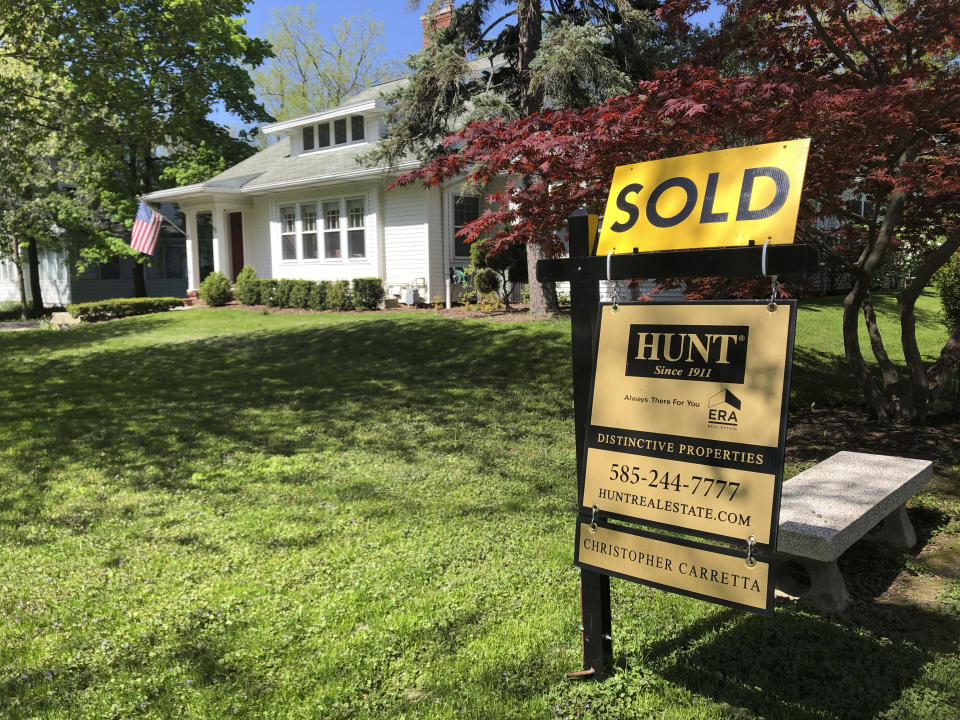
799	666
160	416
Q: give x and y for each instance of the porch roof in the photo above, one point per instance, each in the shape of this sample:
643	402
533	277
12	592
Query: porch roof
272	169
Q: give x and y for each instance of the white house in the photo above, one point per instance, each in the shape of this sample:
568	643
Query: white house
306	208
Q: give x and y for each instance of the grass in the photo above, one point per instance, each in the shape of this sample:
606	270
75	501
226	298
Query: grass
218	514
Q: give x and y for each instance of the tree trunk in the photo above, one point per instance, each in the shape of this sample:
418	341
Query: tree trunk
543	296
18	265
139	281
36	295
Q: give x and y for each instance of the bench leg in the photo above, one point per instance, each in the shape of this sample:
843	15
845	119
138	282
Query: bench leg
827	590
896	529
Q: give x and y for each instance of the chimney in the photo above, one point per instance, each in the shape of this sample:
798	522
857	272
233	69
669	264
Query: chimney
440	20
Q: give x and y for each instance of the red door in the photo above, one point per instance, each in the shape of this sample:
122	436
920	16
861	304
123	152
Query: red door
236	242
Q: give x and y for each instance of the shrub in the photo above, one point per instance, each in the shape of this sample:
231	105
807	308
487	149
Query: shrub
368	292
247	287
284	287
300	293
215	289
121	307
947	281
339	296
318	295
268	292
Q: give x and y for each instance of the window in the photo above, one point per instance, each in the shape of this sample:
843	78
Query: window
174	263
465	209
340	131
356	128
308	138
308	229
288	233
331	229
356	216
323	135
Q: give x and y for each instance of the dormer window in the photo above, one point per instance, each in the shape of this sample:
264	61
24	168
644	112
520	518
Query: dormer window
356	127
322	135
340	131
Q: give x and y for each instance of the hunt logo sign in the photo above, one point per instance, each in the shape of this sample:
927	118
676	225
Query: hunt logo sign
688	417
688	352
686	432
724	198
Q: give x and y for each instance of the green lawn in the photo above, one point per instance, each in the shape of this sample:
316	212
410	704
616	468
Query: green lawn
217	513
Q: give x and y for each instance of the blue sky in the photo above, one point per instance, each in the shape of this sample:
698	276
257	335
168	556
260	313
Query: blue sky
402	32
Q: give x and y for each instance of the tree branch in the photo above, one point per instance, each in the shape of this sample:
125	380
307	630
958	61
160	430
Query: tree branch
845	59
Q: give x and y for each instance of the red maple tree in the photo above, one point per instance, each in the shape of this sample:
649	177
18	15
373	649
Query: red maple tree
874	84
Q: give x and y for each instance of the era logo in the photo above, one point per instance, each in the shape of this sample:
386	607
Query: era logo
722	409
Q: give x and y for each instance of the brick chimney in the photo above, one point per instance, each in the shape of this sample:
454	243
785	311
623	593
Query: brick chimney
440	20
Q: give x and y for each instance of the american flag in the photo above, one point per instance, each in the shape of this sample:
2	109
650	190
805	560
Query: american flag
146	227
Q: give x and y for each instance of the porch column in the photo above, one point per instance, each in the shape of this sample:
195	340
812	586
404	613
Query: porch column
221	240
193	251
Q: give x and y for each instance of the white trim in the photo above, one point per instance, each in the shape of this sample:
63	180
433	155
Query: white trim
361	107
326	179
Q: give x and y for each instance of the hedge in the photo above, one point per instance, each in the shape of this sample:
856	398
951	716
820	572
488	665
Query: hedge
121	307
366	293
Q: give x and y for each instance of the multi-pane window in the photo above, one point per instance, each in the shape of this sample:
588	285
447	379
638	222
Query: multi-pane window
319	136
340	131
356	234
308	230
465	209
331	229
323	135
288	233
356	128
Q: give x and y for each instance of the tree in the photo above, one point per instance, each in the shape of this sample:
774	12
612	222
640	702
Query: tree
554	53
138	78
874	86
311	71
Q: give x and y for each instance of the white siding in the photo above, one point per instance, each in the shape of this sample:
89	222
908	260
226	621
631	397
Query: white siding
256	237
54	280
405	235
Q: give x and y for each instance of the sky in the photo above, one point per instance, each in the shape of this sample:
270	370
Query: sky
402	31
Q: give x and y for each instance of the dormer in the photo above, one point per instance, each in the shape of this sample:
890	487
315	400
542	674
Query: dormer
349	125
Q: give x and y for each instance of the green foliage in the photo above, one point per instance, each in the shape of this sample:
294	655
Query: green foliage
368	293
499	272
947	282
215	289
486	281
318	295
339	296
247	288
311	70
121	307
127	87
284	287
300	294
268	292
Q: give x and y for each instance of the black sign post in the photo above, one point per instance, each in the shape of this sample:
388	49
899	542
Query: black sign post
583	271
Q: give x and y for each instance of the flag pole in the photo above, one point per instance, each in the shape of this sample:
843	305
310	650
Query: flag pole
166	219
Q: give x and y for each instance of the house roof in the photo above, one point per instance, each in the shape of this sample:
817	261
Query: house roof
273	168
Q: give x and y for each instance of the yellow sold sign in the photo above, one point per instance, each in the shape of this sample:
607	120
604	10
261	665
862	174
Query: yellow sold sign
725	198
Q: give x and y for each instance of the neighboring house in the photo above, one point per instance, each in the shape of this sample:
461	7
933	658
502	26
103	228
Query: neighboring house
305	207
60	284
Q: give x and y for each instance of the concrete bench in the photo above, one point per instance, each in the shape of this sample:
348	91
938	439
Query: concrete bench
826	509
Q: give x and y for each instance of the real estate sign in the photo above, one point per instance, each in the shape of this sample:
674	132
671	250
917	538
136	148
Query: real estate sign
724	198
686	433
